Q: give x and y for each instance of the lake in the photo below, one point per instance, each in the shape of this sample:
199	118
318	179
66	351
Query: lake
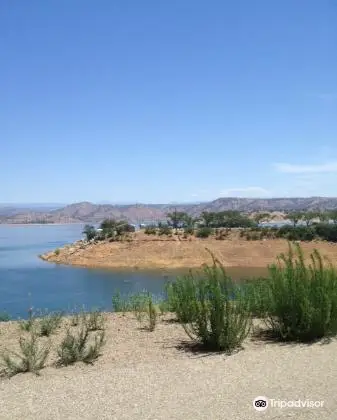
27	281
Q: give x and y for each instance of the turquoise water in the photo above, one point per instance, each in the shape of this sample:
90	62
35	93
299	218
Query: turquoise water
26	281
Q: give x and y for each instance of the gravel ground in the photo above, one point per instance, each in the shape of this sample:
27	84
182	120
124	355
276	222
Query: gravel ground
149	375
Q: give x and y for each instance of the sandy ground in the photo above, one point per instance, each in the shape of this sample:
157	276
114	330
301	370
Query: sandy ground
149	375
148	252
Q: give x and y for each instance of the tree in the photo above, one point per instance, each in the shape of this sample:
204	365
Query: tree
189	221
323	216
309	216
176	218
261	217
115	229
90	232
333	216
295	217
208	218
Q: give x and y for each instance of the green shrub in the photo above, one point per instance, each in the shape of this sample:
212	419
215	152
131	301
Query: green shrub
302	298
189	230
143	307
28	324
120	303
94	320
165	230
152	314
80	347
48	323
326	231
57	251
150	230
203	232
32	358
180	294
163	306
256	295
4	317
138	304
90	232
217	322
296	233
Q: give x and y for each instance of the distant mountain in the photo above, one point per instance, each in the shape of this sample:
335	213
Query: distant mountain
12	209
86	212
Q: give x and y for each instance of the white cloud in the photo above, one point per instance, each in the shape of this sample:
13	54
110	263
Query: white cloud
306	169
245	192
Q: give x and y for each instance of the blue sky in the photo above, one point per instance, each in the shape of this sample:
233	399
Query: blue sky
161	101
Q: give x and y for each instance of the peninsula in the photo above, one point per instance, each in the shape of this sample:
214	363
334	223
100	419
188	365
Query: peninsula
150	252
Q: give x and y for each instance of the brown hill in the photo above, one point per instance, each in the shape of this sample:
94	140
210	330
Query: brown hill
86	212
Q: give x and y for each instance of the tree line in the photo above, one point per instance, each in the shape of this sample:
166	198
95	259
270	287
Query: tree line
118	229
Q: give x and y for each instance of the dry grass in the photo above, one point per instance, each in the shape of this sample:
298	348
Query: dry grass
147	252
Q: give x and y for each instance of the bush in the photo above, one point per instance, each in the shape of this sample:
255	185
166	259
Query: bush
302	299
150	230
75	319
80	347
326	232
142	306
28	325
221	234
203	232
180	294
189	230
120	304
163	307
255	293
165	230
137	304
57	251
32	358
152	314
90	232
48	323
94	320
4	317
296	233
217	322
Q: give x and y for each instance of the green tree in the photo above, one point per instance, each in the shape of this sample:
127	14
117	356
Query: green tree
309	216
333	216
90	232
176	218
295	217
261	217
117	226
323	216
207	218
189	221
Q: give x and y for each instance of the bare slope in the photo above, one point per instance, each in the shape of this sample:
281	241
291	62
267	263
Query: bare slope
88	212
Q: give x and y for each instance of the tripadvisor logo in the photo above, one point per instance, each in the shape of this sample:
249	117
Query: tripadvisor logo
261	403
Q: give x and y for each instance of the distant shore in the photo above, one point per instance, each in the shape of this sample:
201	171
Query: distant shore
42	224
147	252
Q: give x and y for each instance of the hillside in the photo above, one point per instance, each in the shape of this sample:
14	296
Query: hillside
87	212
